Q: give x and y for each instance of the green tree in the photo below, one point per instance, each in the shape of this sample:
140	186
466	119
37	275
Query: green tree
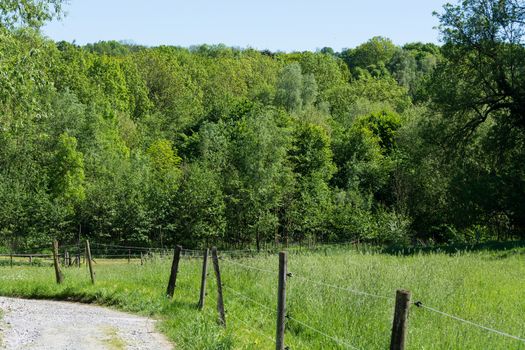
33	13
483	72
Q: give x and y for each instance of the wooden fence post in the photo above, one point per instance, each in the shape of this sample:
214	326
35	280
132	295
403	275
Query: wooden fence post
58	273
11	259
203	279
141	259
90	262
399	326
220	301
129	256
174	271
281	301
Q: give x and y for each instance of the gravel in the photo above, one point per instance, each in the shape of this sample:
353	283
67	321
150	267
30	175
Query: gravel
43	325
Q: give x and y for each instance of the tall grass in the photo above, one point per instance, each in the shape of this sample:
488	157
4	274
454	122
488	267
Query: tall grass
484	287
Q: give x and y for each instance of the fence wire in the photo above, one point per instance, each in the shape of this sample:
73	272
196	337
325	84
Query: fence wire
349	290
337	340
495	331
242	295
247	266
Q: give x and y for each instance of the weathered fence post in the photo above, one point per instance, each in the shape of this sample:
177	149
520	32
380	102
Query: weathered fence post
129	256
174	271
203	279
281	301
399	326
11	259
220	301
90	262
141	259
58	273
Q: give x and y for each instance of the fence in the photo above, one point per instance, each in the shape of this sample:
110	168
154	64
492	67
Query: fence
402	301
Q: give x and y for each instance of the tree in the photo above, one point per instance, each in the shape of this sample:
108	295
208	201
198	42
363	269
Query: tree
289	88
32	13
479	90
483	72
374	56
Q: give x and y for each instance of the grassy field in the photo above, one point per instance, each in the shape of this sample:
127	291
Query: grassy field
486	287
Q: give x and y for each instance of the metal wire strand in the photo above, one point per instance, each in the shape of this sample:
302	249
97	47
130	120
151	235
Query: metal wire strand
420	305
337	340
250	299
248	267
126	247
354	291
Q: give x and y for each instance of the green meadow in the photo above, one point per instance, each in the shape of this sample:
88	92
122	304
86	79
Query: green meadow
336	298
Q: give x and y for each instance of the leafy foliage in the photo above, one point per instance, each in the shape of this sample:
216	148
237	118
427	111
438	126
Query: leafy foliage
213	144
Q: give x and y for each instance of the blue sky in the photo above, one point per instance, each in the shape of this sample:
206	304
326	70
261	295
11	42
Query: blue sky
284	25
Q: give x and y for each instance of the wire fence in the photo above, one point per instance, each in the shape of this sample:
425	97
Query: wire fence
341	342
419	304
113	251
335	339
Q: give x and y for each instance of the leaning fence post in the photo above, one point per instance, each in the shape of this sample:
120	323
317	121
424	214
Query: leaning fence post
90	262
58	273
281	301
174	271
203	279
220	301
399	326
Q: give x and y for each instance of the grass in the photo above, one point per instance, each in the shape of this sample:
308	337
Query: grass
486	287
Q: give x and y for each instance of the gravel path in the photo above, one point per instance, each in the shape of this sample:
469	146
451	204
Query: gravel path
46	325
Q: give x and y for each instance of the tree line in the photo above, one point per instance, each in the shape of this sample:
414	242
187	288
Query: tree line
213	144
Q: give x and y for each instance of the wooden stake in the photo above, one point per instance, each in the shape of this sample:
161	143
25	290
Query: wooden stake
399	327
203	279
174	270
129	256
281	301
220	302
90	262
58	273
141	259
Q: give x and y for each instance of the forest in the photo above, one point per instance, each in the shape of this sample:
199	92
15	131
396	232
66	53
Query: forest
152	146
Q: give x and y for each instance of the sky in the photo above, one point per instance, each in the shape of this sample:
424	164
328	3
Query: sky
277	25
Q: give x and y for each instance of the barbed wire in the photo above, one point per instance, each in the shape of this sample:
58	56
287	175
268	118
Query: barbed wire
346	289
193	250
419	304
337	340
250	299
129	247
247	266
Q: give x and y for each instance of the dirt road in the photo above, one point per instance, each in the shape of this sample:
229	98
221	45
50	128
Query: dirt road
43	325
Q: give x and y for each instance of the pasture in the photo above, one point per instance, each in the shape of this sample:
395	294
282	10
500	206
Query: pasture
336	298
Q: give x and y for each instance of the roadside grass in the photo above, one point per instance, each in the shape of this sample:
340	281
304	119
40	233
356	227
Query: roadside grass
485	287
